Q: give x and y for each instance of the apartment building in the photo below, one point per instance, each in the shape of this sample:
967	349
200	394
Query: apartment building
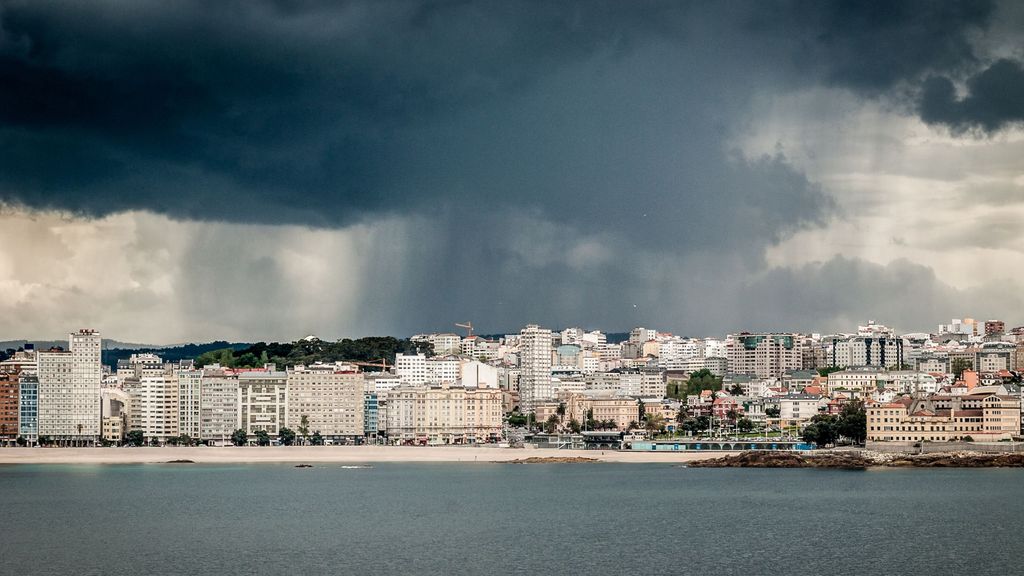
262	401
443	414
331	399
988	417
69	390
764	355
218	405
534	365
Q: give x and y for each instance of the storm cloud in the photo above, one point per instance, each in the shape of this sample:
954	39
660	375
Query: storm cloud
567	162
994	99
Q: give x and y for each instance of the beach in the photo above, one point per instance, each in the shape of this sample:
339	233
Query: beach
314	454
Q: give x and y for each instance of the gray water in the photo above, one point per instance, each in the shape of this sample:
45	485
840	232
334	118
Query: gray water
593	519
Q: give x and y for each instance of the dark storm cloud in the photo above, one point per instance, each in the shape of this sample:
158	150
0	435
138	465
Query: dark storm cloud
874	45
562	161
994	99
310	112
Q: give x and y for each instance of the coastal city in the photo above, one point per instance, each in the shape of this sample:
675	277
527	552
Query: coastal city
570	388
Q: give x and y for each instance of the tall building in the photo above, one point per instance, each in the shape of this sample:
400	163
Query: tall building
764	355
69	390
218	405
153	405
534	366
262	401
329	397
28	407
9	393
190	386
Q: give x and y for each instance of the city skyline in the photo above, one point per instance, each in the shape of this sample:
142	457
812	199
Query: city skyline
383	168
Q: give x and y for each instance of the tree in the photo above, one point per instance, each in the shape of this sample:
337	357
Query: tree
552	424
316	439
732	415
654	422
516	420
853	422
575	426
633	425
772	412
830	369
154	441
303	427
21	441
560	411
262	438
682	415
958	365
736	390
286	436
745	425
135	438
822	431
239	437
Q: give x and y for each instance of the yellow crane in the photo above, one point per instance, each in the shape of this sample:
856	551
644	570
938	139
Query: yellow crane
468	326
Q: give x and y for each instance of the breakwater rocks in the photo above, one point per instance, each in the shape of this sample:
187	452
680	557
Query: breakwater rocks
862	460
183	461
554	460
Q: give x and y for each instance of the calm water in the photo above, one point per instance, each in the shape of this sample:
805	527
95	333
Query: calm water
602	519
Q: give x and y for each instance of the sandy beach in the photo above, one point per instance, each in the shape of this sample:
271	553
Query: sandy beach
314	454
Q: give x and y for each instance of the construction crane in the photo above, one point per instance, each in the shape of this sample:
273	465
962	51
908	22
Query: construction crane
468	326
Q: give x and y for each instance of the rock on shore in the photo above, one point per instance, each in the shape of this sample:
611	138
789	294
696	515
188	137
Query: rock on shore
553	460
860	461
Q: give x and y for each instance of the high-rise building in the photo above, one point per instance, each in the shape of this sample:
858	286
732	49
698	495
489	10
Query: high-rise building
9	393
190	386
764	355
69	390
28	407
218	411
331	399
262	401
153	405
534	366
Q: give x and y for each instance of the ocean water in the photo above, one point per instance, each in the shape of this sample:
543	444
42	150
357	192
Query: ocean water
593	519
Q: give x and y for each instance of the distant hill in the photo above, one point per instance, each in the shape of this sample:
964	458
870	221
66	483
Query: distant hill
169	353
107	345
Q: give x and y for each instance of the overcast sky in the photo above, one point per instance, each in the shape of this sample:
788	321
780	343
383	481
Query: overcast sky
179	171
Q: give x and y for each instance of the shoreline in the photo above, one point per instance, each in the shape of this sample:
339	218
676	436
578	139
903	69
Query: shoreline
329	454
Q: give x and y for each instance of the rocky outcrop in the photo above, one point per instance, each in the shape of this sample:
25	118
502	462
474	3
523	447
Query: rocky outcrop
766	459
553	460
860	461
181	461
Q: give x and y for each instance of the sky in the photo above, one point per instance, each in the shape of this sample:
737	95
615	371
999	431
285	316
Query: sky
251	170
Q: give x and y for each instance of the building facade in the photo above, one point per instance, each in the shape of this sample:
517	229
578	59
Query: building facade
534	365
69	390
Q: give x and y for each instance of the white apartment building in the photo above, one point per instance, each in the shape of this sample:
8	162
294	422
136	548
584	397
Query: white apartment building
764	355
864	380
69	390
154	406
534	366
799	407
218	412
417	369
444	415
330	399
445	344
262	401
190	385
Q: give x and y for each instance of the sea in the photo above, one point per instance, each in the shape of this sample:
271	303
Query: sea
482	518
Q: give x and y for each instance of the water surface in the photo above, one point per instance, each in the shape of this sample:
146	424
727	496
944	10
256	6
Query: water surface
594	519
